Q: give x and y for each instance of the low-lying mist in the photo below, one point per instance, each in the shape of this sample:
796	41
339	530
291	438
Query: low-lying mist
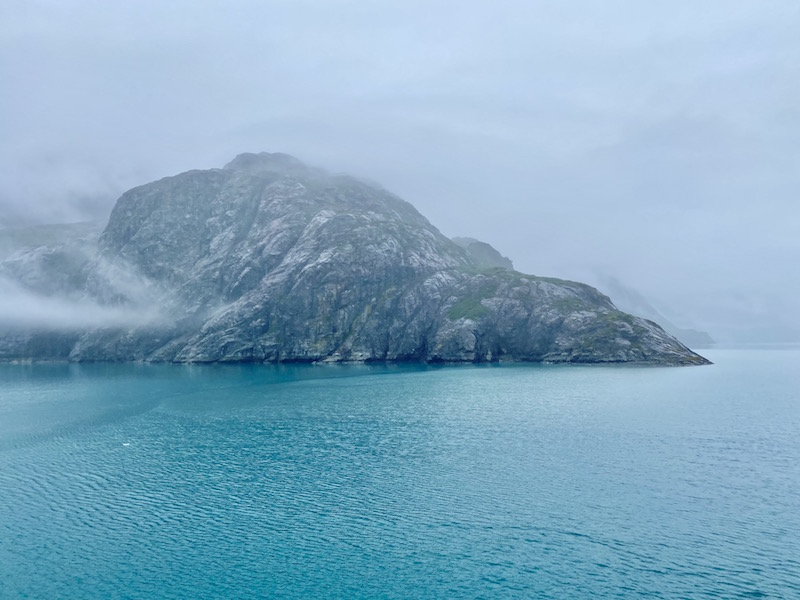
22	308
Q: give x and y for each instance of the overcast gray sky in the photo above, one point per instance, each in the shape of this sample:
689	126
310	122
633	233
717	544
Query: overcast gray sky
656	141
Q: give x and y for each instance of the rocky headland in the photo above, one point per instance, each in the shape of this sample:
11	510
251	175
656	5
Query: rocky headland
270	260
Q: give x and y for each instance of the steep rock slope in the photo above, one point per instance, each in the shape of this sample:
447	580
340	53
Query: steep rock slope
270	260
631	301
483	254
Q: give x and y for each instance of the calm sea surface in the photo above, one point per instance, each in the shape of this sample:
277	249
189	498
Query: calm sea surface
136	481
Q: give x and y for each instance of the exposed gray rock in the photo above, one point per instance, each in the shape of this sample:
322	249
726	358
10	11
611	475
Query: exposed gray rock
269	260
49	259
483	254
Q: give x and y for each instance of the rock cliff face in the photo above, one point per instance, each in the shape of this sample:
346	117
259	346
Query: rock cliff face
269	260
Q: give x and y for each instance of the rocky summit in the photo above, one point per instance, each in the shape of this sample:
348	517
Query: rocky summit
270	260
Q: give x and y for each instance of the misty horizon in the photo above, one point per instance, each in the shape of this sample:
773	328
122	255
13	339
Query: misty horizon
659	145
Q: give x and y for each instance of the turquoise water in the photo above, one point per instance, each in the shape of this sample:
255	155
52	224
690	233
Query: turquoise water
135	481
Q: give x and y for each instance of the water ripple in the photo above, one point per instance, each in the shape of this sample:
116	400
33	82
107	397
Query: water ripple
501	483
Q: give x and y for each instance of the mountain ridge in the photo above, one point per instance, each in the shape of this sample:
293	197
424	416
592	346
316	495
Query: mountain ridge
269	260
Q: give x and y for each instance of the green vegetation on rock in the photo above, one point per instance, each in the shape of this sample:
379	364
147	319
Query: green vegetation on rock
467	308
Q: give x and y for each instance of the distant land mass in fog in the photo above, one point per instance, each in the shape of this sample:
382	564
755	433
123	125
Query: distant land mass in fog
271	260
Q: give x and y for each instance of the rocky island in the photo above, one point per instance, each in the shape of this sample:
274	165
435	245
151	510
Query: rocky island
270	260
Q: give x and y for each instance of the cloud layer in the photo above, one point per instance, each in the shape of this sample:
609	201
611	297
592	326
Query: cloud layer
658	142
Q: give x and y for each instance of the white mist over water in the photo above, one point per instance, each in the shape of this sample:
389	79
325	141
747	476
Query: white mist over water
26	309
